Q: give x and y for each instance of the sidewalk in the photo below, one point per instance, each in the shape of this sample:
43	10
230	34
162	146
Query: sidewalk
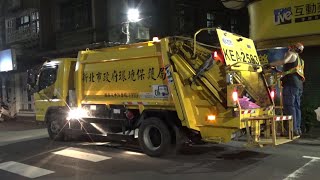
313	134
20	124
9	137
21	129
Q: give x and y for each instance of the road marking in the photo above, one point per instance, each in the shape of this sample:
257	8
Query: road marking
134	153
24	169
311	157
297	173
81	155
10	137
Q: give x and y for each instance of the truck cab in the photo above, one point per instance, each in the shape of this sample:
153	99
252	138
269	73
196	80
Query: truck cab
53	83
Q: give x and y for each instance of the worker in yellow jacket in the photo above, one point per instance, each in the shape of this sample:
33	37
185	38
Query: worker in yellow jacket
292	82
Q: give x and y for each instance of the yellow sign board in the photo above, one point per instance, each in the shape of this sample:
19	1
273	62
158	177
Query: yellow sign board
284	18
237	49
112	79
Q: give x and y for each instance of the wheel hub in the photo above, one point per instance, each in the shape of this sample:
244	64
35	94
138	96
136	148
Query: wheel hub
152	137
55	127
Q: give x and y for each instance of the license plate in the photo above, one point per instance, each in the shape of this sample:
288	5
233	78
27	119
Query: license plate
237	49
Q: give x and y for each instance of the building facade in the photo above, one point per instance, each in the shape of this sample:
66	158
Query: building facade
40	29
280	24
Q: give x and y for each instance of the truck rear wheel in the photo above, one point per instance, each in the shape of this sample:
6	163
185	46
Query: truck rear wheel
54	126
154	137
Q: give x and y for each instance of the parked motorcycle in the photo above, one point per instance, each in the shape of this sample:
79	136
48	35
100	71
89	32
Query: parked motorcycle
4	112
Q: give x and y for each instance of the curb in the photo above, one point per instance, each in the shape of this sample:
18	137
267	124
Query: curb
314	142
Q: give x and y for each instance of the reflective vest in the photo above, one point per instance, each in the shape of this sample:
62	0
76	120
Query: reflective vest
299	69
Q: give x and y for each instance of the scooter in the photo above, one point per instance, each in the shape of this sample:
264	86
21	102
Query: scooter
4	112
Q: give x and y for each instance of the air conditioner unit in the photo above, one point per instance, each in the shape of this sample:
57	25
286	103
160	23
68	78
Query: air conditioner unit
143	33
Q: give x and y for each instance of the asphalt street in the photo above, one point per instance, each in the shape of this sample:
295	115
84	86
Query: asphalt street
37	157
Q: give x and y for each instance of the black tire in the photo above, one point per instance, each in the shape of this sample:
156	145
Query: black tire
54	126
154	137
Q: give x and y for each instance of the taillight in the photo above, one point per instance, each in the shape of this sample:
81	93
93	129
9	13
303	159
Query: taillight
235	96
211	117
272	94
215	54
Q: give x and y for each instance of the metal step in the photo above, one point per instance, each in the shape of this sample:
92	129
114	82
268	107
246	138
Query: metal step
270	132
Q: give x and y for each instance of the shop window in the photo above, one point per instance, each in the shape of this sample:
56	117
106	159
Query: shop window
210	21
34	16
26	21
10	27
181	20
35	22
185	20
234	25
23	22
75	15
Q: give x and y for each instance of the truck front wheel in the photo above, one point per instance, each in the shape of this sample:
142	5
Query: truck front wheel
54	126
154	137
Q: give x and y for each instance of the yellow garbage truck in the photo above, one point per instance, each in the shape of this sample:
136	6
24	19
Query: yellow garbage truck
161	92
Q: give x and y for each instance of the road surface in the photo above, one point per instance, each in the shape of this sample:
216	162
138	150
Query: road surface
30	154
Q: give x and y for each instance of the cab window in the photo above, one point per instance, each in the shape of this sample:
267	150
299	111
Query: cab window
48	76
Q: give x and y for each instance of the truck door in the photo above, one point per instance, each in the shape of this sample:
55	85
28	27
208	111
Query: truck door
45	98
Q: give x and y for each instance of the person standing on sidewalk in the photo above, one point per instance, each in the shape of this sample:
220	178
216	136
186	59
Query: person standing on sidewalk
292	82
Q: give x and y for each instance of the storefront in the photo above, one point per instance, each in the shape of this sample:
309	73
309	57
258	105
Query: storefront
281	23
13	82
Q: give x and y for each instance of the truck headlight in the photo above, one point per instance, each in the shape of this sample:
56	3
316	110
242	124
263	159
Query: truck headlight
77	114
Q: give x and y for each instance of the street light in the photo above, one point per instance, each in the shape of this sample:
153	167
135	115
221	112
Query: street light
133	16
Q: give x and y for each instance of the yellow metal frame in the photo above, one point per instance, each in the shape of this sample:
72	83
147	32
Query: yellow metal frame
270	133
